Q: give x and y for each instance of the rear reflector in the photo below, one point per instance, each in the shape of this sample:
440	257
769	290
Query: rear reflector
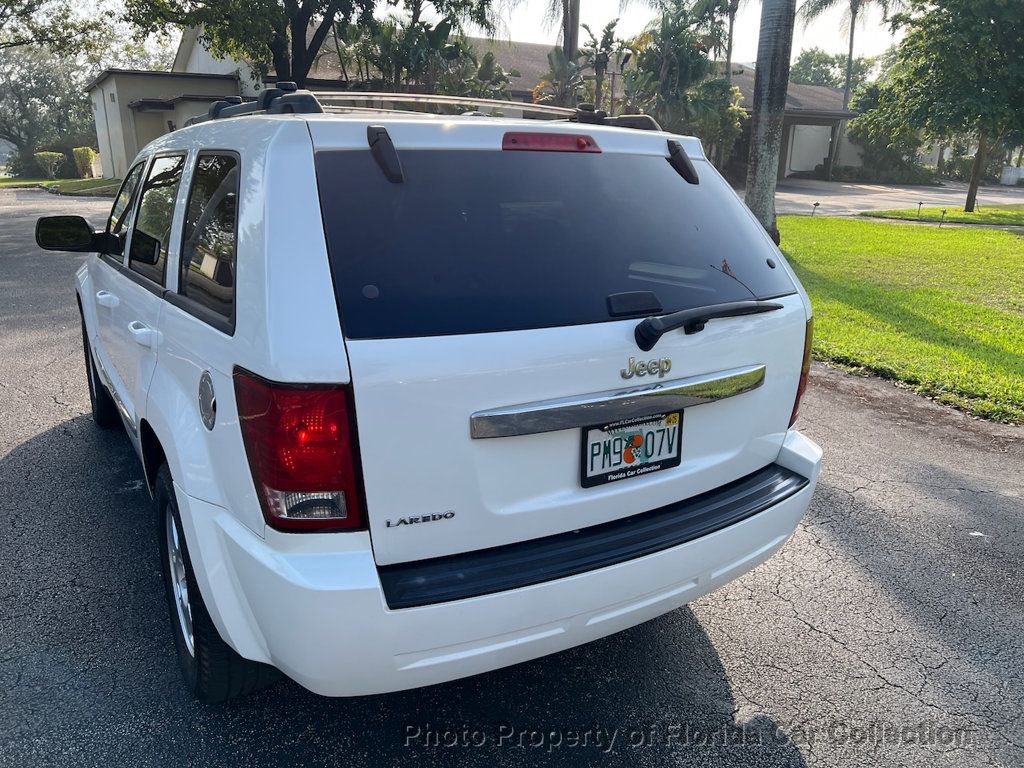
549	142
805	370
301	444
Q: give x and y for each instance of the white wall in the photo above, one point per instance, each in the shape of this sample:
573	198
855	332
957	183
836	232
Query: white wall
808	147
201	60
1011	175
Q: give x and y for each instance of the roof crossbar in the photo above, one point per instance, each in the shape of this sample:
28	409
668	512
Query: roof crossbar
285	98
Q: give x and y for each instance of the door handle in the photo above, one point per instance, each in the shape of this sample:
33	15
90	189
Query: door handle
143	334
107	299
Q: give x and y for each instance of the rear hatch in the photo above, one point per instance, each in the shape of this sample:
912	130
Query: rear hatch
485	358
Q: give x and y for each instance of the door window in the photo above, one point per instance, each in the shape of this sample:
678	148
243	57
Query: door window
209	240
151	236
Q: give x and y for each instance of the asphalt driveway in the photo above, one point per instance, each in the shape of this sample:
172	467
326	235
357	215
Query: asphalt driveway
848	199
888	631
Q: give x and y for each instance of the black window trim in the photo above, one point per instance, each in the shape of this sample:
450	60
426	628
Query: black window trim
153	287
182	301
131	203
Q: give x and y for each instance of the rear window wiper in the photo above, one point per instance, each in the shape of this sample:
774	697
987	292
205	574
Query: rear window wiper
651	329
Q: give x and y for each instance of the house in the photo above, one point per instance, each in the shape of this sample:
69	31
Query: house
133	107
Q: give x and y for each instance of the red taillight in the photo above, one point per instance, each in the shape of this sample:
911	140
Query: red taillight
549	142
805	370
302	449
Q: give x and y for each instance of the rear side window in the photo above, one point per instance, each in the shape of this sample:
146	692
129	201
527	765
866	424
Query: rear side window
475	241
122	203
151	236
209	239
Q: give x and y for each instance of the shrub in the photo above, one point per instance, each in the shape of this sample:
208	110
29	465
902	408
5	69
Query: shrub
1020	182
84	157
50	162
908	174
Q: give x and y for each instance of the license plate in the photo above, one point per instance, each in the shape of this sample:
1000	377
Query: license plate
630	448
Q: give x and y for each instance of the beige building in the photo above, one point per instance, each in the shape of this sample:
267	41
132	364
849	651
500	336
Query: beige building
133	107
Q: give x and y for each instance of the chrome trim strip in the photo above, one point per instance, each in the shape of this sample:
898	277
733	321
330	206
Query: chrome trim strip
606	407
121	407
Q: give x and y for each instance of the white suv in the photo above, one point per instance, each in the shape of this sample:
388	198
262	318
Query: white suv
419	397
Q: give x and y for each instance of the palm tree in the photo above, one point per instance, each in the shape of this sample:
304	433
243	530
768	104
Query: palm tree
567	14
771	80
727	9
812	9
597	53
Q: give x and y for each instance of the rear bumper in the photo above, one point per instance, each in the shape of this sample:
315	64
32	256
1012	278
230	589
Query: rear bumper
314	606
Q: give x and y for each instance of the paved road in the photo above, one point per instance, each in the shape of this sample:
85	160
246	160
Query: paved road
889	631
842	199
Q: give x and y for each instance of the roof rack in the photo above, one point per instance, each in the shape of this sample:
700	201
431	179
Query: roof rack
287	98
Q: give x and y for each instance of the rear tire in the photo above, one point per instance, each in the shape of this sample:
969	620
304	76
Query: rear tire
104	410
212	670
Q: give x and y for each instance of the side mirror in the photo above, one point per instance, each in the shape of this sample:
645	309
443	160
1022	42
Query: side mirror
145	248
65	233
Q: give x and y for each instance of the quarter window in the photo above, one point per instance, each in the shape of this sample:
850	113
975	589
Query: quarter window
122	203
209	240
148	251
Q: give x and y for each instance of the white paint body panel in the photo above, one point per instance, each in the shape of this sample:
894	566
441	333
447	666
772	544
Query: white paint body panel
294	600
312	605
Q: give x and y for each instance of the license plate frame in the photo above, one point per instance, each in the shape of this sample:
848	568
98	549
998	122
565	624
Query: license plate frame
625	470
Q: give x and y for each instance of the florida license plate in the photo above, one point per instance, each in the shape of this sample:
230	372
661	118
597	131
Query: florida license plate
630	448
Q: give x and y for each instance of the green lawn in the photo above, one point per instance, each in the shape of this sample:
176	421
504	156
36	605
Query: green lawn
84	186
11	181
66	186
941	310
989	214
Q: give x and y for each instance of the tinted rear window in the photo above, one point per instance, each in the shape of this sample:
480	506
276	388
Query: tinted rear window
477	241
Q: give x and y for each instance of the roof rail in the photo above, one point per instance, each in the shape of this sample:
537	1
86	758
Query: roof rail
285	98
584	113
370	98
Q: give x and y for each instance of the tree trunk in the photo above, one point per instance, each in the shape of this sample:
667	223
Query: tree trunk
940	164
733	8
279	53
976	171
837	137
1020	156
598	87
771	80
570	28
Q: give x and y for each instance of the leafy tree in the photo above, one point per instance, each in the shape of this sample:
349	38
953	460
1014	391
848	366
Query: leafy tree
715	114
815	66
812	9
563	82
42	105
639	92
889	145
56	24
484	80
726	10
284	34
287	34
960	70
675	51
597	52
771	79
